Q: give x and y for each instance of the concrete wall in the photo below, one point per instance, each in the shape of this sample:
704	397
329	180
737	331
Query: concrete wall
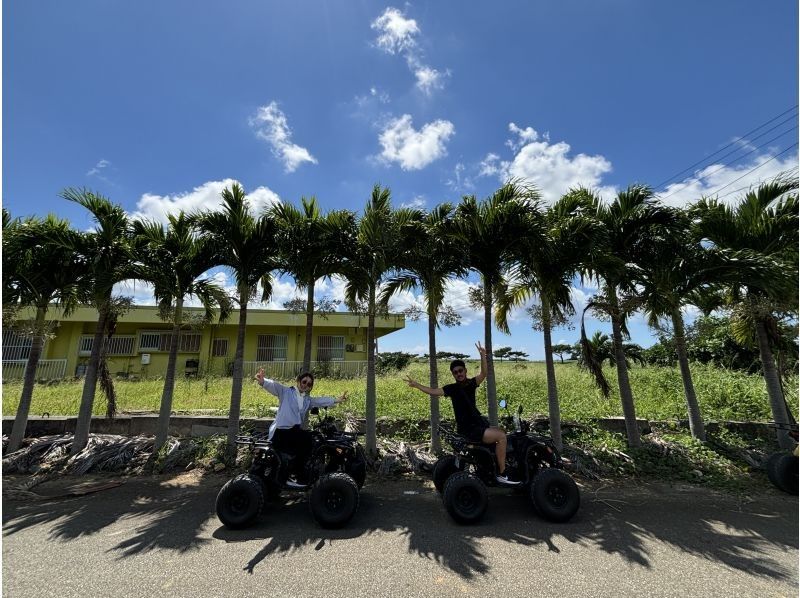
203	425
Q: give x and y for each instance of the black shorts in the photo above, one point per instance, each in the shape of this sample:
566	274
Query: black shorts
474	432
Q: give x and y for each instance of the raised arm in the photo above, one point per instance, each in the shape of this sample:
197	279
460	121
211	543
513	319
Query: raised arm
272	387
328	401
434	392
484	368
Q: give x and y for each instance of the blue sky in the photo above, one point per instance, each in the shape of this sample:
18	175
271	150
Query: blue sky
159	105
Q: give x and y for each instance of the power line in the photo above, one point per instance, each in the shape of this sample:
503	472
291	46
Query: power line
761	126
737	159
754	169
790	172
760	146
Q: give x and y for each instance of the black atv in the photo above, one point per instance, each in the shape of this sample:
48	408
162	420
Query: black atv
336	471
782	467
532	460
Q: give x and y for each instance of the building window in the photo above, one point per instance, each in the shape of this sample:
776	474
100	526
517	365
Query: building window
152	340
149	341
16	345
220	347
116	345
190	342
330	348
271	347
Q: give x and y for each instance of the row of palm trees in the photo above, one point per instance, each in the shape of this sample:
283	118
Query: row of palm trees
641	254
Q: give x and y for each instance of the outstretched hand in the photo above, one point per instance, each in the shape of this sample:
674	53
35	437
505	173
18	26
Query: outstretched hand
342	398
260	376
481	350
411	382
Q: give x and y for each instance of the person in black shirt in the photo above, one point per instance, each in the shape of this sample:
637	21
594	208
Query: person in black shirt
469	421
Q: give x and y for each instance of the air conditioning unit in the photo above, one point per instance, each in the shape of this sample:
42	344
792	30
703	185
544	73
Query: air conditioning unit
350	348
145	358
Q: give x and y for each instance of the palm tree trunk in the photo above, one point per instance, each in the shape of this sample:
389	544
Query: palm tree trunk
491	389
625	392
436	443
693	408
162	426
309	328
371	406
238	373
81	437
774	391
552	389
24	408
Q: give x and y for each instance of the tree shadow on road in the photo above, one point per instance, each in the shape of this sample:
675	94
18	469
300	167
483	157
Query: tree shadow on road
623	520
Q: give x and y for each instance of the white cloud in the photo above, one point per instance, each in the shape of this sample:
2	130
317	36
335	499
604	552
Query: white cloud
460	182
524	136
547	165
413	149
417	202
398	35
98	167
428	78
270	124
205	197
490	165
729	184
395	32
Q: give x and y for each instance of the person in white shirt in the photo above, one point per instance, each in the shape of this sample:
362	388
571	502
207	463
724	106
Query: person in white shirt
286	432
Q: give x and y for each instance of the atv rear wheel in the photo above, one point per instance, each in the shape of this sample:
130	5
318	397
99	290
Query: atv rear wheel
782	471
555	495
443	469
465	497
334	499
240	501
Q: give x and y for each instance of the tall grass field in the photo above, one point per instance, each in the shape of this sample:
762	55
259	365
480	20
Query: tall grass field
658	392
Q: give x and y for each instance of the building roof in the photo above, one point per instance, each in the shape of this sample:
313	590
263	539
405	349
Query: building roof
149	314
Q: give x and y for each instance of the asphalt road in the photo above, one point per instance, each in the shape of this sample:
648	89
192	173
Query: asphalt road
160	537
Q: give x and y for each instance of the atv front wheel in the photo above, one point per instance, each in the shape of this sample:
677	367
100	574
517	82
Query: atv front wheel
465	497
240	501
555	495
334	499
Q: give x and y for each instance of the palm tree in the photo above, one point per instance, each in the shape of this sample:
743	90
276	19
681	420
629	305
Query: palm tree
247	246
173	260
547	259
312	246
487	231
430	257
628	225
681	271
764	222
377	246
107	252
39	274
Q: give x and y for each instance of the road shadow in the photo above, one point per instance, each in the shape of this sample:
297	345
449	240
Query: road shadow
162	513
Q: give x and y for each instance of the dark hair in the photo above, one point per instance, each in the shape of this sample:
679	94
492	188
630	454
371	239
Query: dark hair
305	375
457	362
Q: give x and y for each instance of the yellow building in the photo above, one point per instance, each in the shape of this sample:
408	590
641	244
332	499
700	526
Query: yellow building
274	339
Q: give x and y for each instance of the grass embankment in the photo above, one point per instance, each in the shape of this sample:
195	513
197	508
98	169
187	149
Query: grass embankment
722	394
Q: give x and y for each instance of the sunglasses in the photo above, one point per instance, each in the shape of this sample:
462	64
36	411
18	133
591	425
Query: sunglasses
459	371
307	382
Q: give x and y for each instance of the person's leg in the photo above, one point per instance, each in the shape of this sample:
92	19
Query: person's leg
303	442
497	437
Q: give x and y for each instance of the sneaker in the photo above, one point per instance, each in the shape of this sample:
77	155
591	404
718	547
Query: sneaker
290	483
501	479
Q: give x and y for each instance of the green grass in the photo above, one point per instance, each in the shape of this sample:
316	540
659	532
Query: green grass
723	394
